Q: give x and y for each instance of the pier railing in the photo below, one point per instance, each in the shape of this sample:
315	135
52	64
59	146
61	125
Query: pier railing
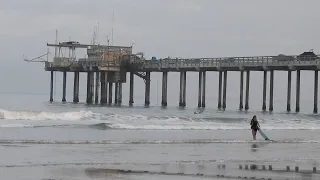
229	62
83	63
196	62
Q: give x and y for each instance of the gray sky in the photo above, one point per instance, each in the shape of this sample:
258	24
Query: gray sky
177	28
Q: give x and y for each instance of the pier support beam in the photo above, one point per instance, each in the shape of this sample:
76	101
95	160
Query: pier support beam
51	86
289	92
131	88
315	109
271	90
264	93
119	102
76	87
64	86
247	90
104	90
110	93
220	90
203	103
96	99
241	91
224	103
200	89
116	88
298	92
182	89
185	89
147	90
90	84
164	101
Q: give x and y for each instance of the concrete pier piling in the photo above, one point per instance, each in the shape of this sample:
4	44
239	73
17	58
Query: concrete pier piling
182	96
97	88
220	90
241	91
185	89
90	87
119	94
224	101
271	90
147	90
116	88
131	88
64	86
164	101
76	87
110	93
104	88
298	92
264	91
203	101
315	102
247	90
51	86
289	92
200	89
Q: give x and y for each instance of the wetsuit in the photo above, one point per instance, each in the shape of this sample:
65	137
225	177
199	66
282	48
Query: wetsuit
254	125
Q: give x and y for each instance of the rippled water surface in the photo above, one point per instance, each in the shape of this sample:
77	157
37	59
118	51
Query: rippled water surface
67	141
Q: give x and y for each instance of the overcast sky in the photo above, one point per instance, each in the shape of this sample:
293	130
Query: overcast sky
177	28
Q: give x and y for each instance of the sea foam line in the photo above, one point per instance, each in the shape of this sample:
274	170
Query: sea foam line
205	141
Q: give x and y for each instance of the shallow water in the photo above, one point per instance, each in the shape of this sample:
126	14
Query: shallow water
67	141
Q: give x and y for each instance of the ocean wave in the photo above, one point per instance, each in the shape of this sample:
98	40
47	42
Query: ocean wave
30	115
89	119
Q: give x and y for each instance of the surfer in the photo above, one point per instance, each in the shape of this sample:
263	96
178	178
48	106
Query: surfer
254	126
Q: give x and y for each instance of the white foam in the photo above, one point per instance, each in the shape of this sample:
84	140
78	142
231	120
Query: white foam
16	126
136	121
175	123
29	115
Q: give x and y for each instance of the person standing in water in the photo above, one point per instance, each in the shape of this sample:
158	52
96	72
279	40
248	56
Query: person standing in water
254	126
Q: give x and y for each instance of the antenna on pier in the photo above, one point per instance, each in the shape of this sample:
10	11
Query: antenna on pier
56	48
94	36
112	26
98	31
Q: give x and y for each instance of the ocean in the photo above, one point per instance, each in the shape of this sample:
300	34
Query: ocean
42	140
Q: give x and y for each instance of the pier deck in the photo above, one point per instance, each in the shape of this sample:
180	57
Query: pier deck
260	63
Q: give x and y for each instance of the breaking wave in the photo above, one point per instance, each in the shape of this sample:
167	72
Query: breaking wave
29	115
89	119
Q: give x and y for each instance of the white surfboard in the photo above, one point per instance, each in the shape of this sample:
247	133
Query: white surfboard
263	135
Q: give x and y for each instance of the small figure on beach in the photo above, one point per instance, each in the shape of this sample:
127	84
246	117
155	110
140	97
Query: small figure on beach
254	126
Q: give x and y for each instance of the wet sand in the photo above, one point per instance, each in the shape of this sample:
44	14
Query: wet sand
188	152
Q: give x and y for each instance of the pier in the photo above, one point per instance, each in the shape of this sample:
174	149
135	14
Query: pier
107	67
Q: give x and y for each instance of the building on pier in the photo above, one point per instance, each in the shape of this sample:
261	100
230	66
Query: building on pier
107	66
